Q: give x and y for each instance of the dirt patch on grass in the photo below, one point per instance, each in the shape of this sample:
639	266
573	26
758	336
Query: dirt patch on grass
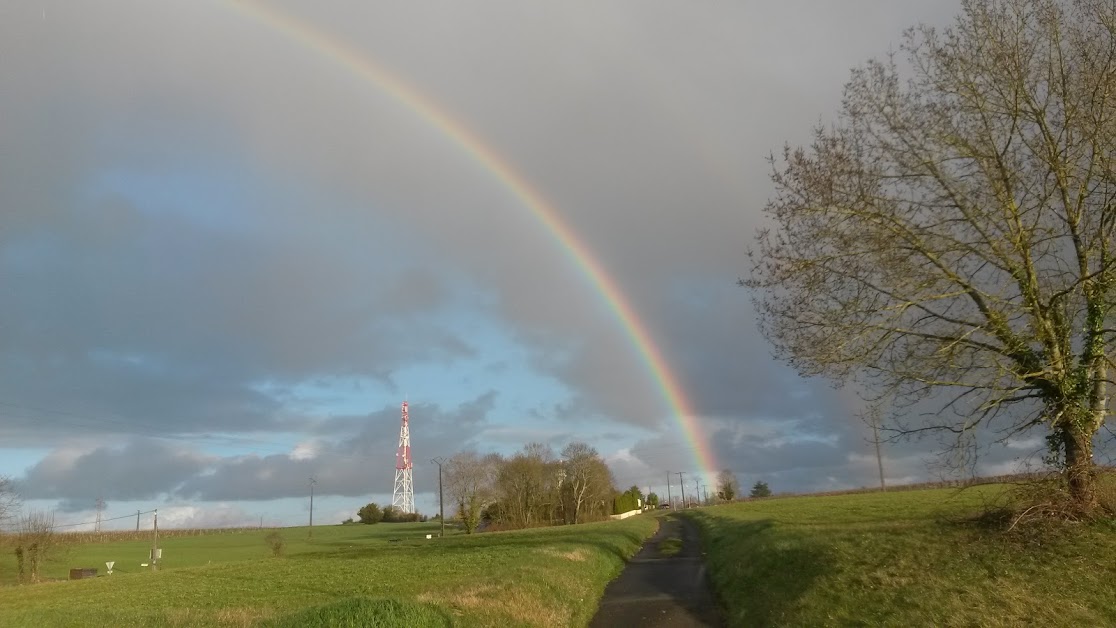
462	598
520	606
578	555
242	616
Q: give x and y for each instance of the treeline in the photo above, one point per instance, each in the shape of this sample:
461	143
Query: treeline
534	487
373	513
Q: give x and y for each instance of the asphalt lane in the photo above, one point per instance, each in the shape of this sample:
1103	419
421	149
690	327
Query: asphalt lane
661	590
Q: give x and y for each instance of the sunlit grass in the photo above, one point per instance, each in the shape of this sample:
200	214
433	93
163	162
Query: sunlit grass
542	577
188	548
903	559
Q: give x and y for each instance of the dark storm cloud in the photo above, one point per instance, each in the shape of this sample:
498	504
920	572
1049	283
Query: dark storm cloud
343	232
349	464
127	330
70	506
361	464
656	224
136	469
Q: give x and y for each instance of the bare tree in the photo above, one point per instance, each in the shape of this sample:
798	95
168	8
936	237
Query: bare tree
950	237
586	479
728	487
34	542
9	501
527	484
471	481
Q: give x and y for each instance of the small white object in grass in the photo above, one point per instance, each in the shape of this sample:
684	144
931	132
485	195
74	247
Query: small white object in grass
429	536
109	564
143	564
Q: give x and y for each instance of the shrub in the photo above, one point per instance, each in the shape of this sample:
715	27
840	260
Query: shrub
371	513
391	514
276	542
625	502
34	542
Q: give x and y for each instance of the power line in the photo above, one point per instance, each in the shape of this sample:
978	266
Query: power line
103	520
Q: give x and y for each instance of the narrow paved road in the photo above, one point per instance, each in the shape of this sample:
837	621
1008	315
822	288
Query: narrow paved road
658	589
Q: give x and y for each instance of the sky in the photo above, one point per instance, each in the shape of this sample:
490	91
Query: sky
228	253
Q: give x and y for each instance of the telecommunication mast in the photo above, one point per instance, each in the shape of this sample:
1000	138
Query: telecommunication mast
403	497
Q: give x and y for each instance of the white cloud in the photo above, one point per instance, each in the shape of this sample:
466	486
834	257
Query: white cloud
1027	444
217	515
307	450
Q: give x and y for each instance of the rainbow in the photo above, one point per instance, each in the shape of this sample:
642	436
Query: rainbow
369	71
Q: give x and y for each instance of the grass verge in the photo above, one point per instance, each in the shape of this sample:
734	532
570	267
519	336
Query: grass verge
540	577
903	559
364	613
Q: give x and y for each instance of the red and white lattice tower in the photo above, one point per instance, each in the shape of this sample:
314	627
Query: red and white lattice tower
403	497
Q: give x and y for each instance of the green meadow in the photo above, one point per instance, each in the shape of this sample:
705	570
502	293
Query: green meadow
378	575
913	558
916	558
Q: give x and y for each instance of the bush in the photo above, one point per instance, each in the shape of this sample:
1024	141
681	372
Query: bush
276	542
625	502
1036	506
35	541
392	514
371	513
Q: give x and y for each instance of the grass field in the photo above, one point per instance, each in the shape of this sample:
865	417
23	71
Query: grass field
385	574
903	559
191	549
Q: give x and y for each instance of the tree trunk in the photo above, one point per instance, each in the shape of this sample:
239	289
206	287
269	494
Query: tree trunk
1078	428
1080	469
579	497
33	560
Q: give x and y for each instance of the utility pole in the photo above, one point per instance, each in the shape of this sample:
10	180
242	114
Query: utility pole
312	483
670	501
441	510
682	485
155	544
879	459
100	509
137	520
697	489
